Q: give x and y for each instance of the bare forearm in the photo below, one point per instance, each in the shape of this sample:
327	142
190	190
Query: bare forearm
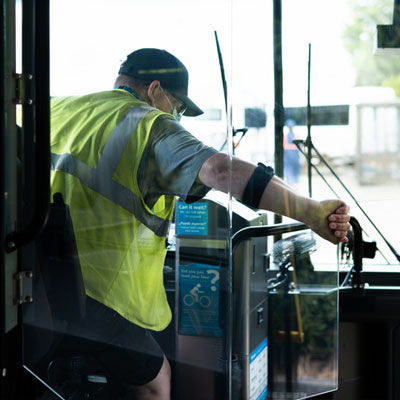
328	218
222	174
281	199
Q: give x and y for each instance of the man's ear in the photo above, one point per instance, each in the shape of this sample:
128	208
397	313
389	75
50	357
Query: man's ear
152	89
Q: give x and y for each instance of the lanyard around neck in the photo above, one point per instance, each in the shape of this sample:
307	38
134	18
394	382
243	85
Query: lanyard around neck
129	90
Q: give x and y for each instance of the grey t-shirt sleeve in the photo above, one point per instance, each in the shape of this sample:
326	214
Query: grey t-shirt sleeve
171	162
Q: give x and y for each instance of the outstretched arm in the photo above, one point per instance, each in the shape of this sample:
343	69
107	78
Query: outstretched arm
328	218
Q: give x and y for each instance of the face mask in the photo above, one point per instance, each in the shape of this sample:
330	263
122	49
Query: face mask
176	115
174	112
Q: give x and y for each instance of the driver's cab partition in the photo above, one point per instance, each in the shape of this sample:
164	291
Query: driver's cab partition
303	295
256	316
255	310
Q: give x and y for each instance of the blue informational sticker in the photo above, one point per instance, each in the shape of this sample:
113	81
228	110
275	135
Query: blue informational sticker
259	371
199	300
192	219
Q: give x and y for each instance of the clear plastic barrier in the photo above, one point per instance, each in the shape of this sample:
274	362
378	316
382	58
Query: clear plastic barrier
146	279
303	301
122	303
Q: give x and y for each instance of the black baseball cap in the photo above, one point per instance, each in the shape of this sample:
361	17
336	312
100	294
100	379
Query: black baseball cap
150	65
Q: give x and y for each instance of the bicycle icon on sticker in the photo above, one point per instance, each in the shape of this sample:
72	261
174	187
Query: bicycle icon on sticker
194	297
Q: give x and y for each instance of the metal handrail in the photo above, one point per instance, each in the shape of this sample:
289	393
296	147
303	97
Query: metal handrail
265	230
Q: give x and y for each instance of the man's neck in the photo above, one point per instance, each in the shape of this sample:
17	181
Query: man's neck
129	90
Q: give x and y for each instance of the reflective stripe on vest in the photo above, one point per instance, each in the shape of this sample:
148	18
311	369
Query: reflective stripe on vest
100	179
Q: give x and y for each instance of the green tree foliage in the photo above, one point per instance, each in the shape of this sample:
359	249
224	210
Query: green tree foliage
359	39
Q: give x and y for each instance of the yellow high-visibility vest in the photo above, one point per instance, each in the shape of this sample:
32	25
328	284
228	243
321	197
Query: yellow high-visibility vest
97	142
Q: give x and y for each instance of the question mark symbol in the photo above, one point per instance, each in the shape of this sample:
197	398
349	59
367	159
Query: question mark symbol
214	279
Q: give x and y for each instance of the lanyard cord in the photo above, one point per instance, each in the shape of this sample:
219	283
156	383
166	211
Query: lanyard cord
129	90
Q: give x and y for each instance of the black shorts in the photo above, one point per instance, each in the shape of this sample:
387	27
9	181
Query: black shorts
126	350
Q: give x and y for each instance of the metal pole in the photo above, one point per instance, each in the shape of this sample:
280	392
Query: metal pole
10	360
41	128
278	89
308	142
396	12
